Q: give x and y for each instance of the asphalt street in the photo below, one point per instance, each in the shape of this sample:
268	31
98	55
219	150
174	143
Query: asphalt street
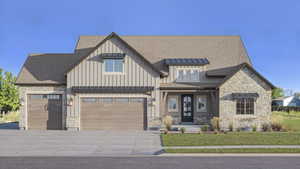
150	162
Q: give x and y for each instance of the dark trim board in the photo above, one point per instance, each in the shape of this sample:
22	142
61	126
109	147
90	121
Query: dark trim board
93	89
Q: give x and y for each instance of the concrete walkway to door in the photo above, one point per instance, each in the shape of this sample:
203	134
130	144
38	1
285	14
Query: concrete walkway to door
78	143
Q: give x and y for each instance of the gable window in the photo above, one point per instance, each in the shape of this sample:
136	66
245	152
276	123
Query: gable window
113	65
201	103
188	75
172	103
245	106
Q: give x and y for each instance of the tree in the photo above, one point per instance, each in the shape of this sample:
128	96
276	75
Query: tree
9	96
277	92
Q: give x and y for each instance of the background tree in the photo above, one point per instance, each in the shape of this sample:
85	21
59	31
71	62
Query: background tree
277	92
9	96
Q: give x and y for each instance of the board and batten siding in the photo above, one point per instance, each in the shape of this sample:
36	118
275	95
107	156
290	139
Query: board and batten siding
173	73
90	72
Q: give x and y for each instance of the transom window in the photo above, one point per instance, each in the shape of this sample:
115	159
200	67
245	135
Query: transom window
245	106
114	65
172	103
187	75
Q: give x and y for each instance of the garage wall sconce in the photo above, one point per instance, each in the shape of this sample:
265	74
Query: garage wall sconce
22	101
70	102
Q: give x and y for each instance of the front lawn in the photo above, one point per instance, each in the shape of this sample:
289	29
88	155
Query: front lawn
235	150
234	138
289	121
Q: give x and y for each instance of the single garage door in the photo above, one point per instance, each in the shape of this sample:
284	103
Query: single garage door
44	111
113	113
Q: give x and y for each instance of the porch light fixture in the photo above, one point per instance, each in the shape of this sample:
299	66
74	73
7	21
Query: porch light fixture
70	101
22	101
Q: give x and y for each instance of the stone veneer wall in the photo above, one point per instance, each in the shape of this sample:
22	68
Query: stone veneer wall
24	90
244	81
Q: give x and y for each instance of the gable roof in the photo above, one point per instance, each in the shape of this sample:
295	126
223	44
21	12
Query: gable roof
90	50
235	69
221	51
45	68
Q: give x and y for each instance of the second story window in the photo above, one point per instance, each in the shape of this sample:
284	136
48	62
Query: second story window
188	75
113	65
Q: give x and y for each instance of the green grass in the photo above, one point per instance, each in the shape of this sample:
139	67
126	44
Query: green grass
235	138
235	150
11	117
290	121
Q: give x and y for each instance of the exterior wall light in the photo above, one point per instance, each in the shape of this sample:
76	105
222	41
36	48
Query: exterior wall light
70	101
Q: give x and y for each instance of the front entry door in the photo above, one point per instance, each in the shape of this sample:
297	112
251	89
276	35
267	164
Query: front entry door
187	108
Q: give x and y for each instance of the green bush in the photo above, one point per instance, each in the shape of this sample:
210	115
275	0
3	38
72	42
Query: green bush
254	128
205	128
182	130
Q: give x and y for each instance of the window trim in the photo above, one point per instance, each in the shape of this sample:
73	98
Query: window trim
116	73
185	70
177	104
197	99
244	110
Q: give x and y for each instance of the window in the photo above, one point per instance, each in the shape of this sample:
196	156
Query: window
187	75
113	65
173	103
201	103
245	106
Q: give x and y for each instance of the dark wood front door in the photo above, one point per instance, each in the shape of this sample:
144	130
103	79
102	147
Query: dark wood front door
187	108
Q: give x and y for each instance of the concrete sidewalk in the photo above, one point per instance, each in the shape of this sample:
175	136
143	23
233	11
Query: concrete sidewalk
230	147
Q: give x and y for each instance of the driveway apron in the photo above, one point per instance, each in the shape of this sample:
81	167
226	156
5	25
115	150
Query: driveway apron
78	143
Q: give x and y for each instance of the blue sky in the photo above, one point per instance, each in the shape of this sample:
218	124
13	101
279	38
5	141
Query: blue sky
270	29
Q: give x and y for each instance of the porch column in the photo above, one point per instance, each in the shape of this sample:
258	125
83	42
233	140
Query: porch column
213	96
163	103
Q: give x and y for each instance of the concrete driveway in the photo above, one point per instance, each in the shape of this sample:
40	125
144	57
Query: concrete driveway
78	143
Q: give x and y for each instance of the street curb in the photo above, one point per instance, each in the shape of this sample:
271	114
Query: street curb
231	147
231	154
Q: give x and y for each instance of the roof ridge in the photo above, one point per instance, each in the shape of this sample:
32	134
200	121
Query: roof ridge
35	54
213	36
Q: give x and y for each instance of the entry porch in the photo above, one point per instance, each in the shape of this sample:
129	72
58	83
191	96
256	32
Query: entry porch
189	106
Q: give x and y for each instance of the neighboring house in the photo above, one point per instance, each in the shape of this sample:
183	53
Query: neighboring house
287	101
132	82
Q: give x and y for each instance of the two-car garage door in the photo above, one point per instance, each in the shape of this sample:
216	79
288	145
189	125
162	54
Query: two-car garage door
112	113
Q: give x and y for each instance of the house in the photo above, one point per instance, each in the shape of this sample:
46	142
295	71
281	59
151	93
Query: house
131	82
292	101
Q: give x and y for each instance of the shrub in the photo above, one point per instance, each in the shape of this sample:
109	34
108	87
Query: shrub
182	130
204	128
230	127
276	126
11	117
215	123
168	120
254	128
266	127
238	129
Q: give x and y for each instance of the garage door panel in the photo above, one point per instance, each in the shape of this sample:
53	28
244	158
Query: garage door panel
112	114
44	111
